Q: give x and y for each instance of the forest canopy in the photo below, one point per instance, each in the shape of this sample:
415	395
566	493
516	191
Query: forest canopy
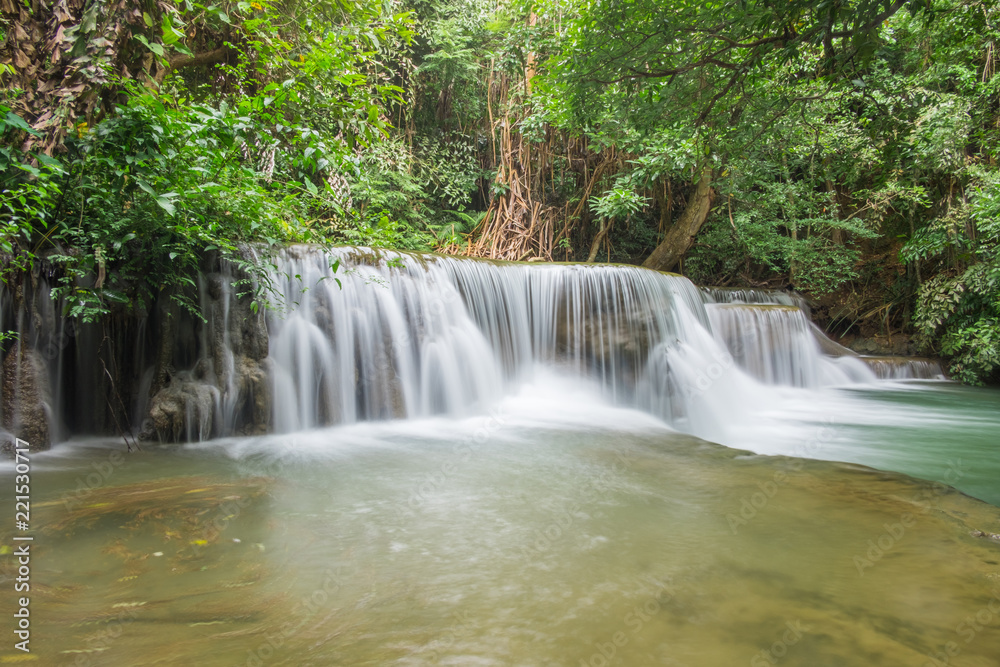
846	149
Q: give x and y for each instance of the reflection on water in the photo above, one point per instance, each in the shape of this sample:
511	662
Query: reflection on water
556	530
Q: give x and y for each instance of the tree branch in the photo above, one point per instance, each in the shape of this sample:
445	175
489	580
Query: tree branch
213	57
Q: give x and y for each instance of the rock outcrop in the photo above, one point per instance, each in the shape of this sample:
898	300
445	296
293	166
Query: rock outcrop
228	388
26	397
185	409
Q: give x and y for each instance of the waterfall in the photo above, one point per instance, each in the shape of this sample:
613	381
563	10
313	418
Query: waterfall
353	335
414	335
776	345
751	296
403	336
904	368
742	318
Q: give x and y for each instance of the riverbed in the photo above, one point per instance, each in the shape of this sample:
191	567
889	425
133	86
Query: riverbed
555	528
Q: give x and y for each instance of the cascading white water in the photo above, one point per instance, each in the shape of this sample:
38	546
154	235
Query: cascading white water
789	358
751	295
776	345
410	523
402	336
409	335
903	368
396	335
392	342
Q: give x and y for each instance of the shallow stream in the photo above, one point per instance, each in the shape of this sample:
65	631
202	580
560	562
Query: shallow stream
555	528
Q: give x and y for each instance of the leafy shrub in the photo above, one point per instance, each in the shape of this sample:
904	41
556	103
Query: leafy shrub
135	202
958	311
961	315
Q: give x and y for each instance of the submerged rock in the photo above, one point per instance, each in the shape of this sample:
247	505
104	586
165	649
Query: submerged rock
604	332
990	536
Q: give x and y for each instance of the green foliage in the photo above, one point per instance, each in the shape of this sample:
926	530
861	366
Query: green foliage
617	203
389	202
953	138
29	191
448	169
704	61
958	312
754	247
381	231
458	40
142	196
451	231
131	205
963	313
413	199
838	133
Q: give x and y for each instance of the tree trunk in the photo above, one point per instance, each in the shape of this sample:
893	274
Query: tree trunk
529	67
596	245
681	234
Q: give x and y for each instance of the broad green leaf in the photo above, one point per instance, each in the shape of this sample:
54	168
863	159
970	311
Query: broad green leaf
166	205
16	121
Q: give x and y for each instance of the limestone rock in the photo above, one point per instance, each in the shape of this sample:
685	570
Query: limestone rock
884	345
254	385
26	397
184	410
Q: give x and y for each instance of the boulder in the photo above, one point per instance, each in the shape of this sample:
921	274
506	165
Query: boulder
254	385
26	397
184	410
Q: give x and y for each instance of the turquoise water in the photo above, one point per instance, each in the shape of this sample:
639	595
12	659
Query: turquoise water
938	431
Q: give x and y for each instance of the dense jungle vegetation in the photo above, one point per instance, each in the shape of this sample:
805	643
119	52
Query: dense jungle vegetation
844	148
